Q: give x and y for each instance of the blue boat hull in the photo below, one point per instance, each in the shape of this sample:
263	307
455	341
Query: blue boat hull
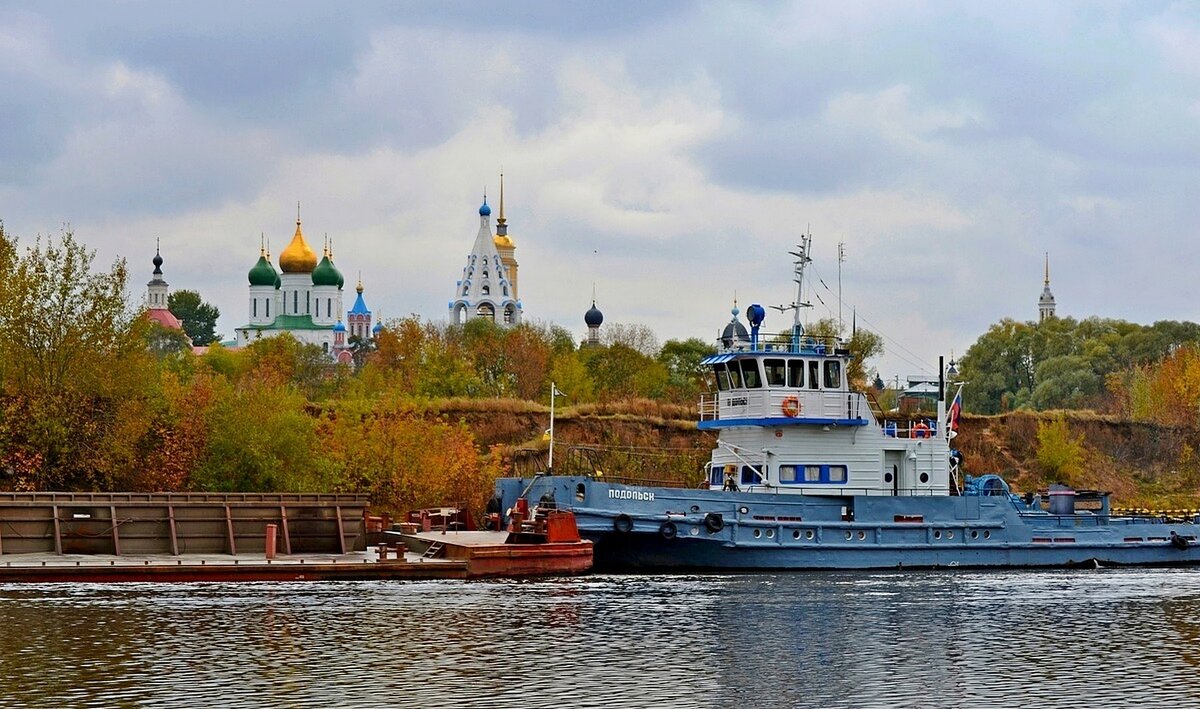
637	527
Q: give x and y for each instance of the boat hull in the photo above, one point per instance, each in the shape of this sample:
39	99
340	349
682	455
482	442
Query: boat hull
636	527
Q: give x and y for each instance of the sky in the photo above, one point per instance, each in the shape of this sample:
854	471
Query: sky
667	153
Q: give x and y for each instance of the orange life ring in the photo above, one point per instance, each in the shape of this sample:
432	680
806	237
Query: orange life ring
790	407
921	430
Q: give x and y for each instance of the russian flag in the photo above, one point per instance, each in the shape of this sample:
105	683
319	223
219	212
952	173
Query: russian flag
955	411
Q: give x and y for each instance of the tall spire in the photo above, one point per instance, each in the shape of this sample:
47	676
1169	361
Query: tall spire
297	212
262	244
500	225
1047	267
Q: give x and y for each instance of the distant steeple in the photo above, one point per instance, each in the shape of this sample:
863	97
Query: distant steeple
156	289
1046	302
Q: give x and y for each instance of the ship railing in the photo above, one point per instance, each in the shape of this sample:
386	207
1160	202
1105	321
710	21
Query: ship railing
918	428
786	344
768	402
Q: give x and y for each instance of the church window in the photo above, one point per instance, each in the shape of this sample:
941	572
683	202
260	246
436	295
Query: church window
325	346
487	290
485	273
486	310
508	315
328	307
295	302
465	290
506	291
307	302
254	307
268	304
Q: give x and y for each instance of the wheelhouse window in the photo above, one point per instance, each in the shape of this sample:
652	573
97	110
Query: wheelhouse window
814	374
735	376
833	374
776	371
721	376
795	373
750	374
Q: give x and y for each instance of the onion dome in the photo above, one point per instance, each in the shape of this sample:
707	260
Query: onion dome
378	328
325	274
339	327
158	262
485	210
593	317
298	257
263	273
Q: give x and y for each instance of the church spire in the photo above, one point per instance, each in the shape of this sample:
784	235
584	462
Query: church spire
501	222
1046	305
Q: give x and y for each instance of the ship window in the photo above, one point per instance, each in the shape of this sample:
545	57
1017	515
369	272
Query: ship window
776	372
833	374
814	374
722	378
787	474
735	376
837	473
750	373
752	475
795	373
812	473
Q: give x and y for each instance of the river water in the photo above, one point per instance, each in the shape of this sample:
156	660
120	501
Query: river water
954	638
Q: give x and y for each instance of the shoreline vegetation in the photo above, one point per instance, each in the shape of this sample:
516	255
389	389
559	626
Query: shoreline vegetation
93	396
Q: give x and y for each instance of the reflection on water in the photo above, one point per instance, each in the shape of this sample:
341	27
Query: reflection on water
833	639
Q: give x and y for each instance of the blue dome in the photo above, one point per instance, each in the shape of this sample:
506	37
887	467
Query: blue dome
339	327
485	210
378	327
593	317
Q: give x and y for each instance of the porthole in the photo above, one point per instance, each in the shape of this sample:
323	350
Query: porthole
744	510
849	535
924	477
694	531
987	534
937	535
808	534
796	534
887	477
770	534
974	534
695	508
757	533
950	535
862	535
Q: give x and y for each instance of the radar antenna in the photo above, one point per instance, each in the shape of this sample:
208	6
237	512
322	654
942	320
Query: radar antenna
803	258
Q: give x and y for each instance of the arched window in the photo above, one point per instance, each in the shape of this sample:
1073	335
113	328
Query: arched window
487	290
486	310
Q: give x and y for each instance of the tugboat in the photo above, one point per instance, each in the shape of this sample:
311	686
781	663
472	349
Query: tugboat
808	473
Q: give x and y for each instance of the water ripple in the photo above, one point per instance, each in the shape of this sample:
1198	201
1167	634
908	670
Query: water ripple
987	639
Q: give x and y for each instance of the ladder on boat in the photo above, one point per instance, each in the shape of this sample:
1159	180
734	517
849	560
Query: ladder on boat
434	551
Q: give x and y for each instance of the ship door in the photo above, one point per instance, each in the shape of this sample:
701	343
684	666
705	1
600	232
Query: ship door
893	470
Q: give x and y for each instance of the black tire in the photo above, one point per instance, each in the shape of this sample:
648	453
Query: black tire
1179	542
714	522
623	524
668	530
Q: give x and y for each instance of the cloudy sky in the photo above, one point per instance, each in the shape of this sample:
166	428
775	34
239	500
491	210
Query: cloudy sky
668	152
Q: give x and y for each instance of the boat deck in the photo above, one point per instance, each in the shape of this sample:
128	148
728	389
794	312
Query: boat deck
104	568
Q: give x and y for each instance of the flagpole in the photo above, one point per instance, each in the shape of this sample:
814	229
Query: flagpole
553	391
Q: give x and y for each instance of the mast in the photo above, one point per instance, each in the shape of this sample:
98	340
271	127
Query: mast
803	258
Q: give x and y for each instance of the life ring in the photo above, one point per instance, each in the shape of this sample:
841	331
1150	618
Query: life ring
790	407
668	530
714	522
623	524
921	430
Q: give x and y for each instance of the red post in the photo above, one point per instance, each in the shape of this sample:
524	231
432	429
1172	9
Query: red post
270	541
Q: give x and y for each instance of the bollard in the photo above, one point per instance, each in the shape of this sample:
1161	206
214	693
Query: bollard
270	541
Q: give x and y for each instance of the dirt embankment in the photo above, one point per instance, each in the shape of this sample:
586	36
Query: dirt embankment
1140	463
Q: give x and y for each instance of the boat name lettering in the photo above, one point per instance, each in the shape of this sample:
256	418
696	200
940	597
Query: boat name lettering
631	495
738	401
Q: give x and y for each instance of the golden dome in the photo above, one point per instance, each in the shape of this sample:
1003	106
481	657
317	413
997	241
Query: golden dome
503	241
298	257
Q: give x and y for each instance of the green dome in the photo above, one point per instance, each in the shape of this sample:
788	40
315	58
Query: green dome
263	273
326	274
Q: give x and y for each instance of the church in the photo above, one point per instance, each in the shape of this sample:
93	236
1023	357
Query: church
303	298
488	287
